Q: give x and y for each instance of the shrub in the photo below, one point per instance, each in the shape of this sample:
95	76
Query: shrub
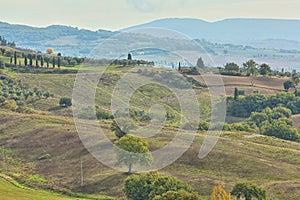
203	126
65	102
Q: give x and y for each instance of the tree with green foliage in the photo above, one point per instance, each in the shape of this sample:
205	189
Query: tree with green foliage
236	94
246	105
53	62
123	127
249	191
129	57
250	67
47	60
42	61
65	102
30	60
15	58
132	150
280	128
232	67
178	195
154	186
58	60
25	60
265	69
287	85
36	61
168	183
296	79
137	187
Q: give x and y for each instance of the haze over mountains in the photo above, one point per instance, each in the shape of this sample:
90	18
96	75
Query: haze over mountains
268	37
231	30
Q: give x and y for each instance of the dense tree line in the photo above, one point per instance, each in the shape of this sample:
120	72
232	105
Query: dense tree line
4	42
275	122
251	68
40	60
243	106
154	186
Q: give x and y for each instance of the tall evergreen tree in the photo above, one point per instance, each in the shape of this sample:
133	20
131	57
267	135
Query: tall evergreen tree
15	58
30	60
129	56
53	62
36	62
25	60
58	61
236	94
42	61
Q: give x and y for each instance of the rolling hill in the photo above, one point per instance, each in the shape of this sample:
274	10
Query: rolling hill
273	41
45	151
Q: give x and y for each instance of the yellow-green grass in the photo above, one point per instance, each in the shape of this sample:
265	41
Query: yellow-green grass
10	190
268	162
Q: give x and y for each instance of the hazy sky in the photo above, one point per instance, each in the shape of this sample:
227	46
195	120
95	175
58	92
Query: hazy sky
117	14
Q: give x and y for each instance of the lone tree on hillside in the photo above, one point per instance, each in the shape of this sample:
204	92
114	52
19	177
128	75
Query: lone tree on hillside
132	150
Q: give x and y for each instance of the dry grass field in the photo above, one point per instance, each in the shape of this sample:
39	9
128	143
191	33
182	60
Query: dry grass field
265	85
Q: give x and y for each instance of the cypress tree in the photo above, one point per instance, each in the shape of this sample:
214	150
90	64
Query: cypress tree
129	56
15	58
30	60
25	60
42	61
58	62
36	62
53	62
236	94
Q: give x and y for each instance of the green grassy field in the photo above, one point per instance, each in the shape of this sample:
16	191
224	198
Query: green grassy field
10	190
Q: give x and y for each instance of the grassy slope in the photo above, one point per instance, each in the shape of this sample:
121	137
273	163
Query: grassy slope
265	85
270	163
8	191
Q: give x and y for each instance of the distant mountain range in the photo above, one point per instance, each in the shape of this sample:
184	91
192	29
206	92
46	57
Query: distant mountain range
66	39
239	31
268	40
